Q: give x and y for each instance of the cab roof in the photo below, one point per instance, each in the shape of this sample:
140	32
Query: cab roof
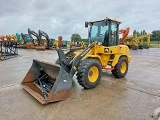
106	19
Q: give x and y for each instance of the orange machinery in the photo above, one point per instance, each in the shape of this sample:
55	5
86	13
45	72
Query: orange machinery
124	33
60	41
2	37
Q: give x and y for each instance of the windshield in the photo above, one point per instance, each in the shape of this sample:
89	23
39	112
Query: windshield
98	31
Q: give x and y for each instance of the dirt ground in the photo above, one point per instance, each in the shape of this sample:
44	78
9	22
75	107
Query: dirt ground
134	97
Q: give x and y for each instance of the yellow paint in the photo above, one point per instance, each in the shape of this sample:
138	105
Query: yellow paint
97	52
93	74
123	67
55	43
137	40
74	67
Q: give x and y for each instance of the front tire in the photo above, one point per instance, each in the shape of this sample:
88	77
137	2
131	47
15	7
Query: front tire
121	68
89	73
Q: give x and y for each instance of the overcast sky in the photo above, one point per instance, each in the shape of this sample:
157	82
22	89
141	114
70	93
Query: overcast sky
65	17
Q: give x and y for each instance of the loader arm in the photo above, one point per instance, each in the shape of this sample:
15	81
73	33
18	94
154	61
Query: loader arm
64	61
79	58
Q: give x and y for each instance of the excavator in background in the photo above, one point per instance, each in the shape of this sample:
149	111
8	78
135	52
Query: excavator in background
1	38
48	43
49	82
132	42
20	41
8	37
55	43
76	44
138	42
13	37
59	41
144	43
26	38
28	41
124	33
38	43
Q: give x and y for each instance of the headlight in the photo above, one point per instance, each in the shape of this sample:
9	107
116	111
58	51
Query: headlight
99	43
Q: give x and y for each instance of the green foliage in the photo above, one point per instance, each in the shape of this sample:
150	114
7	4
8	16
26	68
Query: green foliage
75	37
144	32
134	32
145	44
156	33
85	40
155	36
139	33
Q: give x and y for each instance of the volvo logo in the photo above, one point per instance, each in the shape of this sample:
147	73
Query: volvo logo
106	50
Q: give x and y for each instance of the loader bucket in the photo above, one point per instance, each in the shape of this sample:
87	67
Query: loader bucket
47	82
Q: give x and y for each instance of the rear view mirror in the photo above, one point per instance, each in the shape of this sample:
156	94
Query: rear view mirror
86	24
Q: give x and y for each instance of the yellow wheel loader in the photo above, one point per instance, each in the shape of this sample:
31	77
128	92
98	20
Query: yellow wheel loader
52	82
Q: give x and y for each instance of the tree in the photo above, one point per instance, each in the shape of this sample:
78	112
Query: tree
75	37
134	32
85	40
155	35
138	34
144	32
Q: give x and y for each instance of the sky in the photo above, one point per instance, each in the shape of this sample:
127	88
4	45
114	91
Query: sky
66	17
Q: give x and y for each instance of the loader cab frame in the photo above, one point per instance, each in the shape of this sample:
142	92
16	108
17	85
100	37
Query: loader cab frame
104	31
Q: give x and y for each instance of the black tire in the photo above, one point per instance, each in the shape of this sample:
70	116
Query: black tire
89	73
140	47
134	47
120	71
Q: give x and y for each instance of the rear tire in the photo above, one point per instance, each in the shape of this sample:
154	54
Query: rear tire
89	73
121	68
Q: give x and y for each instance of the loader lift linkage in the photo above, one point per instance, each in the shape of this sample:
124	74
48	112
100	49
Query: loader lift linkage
66	64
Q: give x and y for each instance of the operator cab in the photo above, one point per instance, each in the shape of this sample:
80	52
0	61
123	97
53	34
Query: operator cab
104	31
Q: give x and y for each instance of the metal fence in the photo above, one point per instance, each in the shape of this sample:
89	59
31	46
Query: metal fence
155	44
8	49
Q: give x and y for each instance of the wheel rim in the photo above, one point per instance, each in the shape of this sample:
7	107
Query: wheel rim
123	67
93	74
